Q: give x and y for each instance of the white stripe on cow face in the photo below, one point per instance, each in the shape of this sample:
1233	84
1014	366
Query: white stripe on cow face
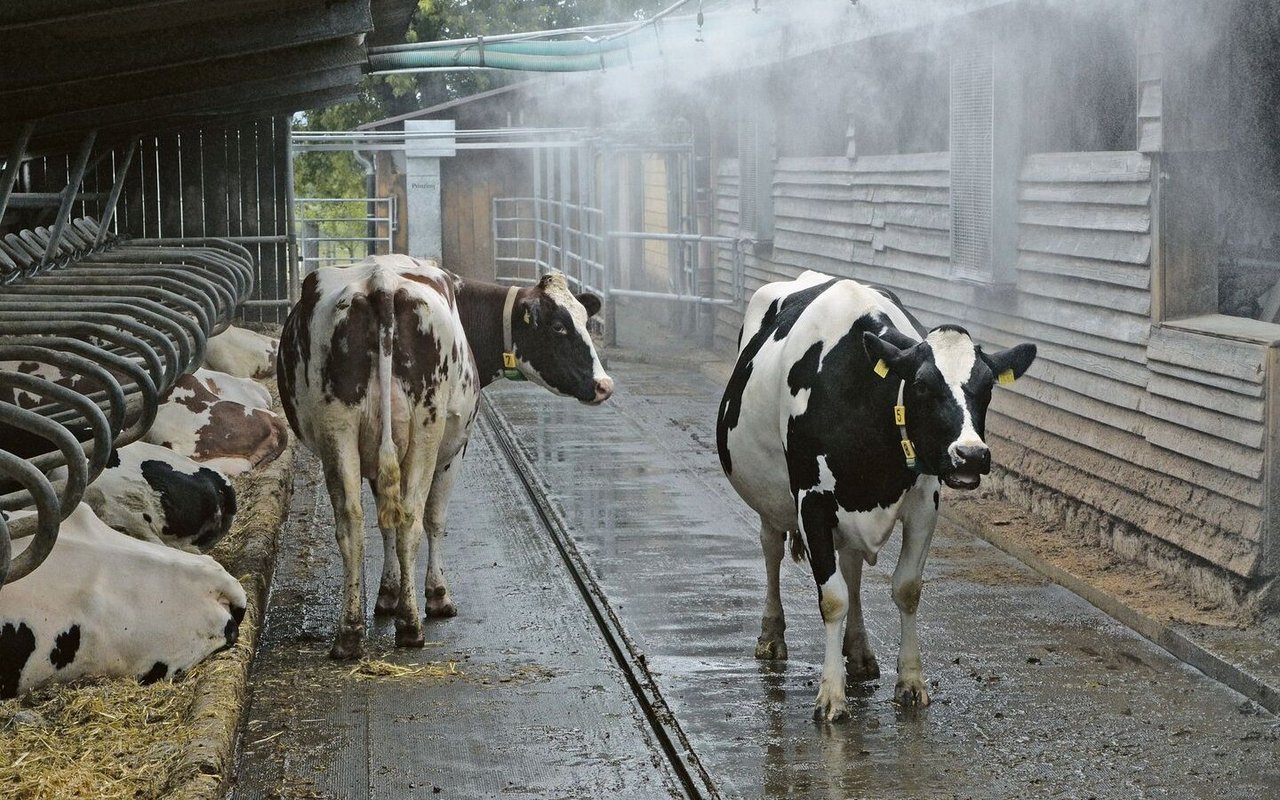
955	357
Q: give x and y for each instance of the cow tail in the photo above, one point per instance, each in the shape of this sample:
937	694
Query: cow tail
391	511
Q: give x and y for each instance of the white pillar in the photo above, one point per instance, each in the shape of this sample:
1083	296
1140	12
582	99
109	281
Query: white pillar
422	185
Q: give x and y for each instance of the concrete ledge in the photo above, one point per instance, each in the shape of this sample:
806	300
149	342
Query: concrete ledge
1172	636
249	553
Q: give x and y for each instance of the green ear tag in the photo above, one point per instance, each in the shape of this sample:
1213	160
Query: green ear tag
1006	376
881	368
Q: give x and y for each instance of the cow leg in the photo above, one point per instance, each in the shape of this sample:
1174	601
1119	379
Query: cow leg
817	520
418	470
859	657
908	581
342	478
772	645
439	603
389	584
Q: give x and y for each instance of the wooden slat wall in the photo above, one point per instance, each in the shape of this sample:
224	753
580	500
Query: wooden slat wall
211	182
1161	430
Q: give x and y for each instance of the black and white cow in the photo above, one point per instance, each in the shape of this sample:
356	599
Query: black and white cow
159	496
106	605
380	368
841	418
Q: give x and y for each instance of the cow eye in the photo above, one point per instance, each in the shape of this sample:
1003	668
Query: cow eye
558	327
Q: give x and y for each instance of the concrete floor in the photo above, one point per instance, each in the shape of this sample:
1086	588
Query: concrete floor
1036	693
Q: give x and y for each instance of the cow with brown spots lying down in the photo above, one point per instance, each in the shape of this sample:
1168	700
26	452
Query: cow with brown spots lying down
243	353
231	436
381	366
107	605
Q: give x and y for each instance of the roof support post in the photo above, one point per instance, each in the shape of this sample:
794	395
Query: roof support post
10	175
69	195
116	187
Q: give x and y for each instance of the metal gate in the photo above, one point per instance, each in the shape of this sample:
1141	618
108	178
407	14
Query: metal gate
588	218
343	230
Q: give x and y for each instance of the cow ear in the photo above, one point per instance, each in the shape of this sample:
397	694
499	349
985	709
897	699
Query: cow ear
529	311
591	303
1008	365
895	359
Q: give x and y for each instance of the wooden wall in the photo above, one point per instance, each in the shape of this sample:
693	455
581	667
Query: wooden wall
224	182
1160	432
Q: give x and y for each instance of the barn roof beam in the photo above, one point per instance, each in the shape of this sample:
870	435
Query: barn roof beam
36	63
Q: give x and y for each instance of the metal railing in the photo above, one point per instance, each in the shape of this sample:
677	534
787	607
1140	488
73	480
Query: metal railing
330	234
93	331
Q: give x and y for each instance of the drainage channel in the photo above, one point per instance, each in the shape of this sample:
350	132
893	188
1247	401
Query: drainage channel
695	779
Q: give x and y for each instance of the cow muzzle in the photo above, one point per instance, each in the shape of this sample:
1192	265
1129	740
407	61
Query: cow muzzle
603	390
969	464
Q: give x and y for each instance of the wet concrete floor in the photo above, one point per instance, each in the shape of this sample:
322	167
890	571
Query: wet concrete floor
1036	694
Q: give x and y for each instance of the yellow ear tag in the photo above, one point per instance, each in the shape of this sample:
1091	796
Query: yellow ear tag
881	368
509	360
526	316
1006	376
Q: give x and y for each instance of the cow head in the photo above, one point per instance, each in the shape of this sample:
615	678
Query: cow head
948	382
552	346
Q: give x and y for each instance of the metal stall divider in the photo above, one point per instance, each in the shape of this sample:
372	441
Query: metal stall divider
119	321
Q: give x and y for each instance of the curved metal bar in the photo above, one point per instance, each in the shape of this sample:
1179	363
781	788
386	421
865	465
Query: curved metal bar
207	259
186	332
48	514
91	414
6	550
169	368
78	364
180	286
142	381
76	461
58	285
80	330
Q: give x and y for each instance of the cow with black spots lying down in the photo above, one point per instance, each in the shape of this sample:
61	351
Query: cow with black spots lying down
228	435
106	605
156	495
842	417
242	352
381	367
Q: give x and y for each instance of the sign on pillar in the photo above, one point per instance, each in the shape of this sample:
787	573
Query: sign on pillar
422	183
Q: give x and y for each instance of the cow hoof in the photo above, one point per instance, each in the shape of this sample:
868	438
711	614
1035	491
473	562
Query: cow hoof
771	649
911	692
861	668
407	637
442	610
348	644
387	603
830	712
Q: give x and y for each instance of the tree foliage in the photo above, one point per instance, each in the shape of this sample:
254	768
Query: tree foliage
339	175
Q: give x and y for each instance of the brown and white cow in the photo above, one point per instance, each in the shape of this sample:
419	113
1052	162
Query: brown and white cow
243	353
381	366
229	435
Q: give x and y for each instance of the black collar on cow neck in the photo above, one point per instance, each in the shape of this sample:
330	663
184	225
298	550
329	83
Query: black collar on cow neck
510	369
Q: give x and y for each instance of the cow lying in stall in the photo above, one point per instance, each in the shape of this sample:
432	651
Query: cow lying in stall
381	366
108	605
840	418
198	420
242	353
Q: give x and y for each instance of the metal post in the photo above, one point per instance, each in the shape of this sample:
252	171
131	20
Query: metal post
493	233
11	167
69	198
562	158
537	211
117	186
291	222
581	206
608	206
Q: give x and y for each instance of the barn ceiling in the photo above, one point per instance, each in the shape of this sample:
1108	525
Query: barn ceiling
129	67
